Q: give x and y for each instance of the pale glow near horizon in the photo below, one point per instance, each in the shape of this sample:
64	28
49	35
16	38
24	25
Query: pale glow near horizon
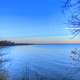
50	39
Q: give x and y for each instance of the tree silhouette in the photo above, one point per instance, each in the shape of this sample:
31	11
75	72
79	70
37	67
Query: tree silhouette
74	18
5	43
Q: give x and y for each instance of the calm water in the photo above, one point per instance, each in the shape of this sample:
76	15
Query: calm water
41	62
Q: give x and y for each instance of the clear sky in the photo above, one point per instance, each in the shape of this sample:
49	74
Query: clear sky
32	19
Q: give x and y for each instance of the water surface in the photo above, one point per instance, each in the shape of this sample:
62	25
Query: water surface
42	62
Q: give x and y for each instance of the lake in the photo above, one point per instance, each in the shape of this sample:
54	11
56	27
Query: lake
41	62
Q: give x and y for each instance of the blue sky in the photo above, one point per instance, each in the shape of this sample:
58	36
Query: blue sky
32	18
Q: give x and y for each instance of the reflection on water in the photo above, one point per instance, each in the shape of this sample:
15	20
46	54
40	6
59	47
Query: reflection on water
30	74
40	62
75	54
3	71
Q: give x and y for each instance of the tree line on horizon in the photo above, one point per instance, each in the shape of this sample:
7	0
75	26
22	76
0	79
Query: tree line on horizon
5	43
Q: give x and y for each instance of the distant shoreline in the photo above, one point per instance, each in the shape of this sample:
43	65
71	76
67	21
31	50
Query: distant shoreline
9	43
22	44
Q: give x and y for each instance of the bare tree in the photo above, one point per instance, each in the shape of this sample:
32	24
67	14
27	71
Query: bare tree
74	18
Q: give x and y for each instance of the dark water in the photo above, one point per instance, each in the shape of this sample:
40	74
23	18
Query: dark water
42	62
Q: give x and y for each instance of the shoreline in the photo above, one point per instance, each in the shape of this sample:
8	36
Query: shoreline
21	44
